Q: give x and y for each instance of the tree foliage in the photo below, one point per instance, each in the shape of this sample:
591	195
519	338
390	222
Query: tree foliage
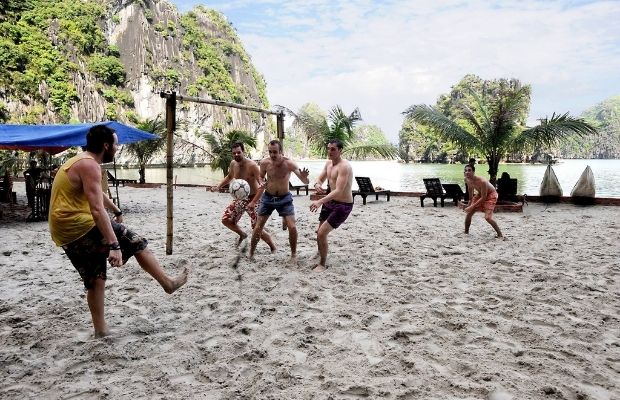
38	41
319	129
489	117
108	69
146	149
220	147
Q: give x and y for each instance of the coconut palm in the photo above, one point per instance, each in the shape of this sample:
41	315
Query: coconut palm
146	149
491	122
220	147
337	125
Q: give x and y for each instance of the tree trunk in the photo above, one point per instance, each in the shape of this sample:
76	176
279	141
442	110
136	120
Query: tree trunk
493	168
142	171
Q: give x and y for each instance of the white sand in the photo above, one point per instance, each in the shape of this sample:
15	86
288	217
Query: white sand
410	308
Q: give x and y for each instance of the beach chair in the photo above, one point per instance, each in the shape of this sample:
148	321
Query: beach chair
366	188
297	188
114	181
434	190
454	191
507	190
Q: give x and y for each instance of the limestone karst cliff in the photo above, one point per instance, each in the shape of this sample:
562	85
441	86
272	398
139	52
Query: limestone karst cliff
86	61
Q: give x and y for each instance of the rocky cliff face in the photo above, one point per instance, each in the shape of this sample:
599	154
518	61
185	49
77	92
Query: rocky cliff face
195	54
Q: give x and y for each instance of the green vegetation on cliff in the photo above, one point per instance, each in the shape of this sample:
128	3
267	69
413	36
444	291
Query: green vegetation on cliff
46	46
40	44
606	118
212	50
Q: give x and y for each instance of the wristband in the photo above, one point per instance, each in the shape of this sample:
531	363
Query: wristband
118	213
114	246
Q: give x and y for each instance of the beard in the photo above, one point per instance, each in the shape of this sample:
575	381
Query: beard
108	155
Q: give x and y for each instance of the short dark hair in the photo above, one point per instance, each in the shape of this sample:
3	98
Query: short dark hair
337	142
470	166
97	136
237	144
276	142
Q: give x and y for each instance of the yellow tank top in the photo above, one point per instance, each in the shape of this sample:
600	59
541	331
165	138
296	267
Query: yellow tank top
69	215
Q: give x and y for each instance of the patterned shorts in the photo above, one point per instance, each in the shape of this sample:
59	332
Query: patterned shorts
89	254
235	210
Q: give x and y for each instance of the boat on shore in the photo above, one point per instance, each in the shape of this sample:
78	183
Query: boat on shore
550	189
584	190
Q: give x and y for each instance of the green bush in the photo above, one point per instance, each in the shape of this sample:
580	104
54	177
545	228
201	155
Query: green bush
108	69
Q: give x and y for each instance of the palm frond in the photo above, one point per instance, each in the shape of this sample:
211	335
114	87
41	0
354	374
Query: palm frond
428	116
342	124
552	130
386	151
471	117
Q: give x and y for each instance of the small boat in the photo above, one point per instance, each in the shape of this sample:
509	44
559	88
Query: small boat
550	189
584	190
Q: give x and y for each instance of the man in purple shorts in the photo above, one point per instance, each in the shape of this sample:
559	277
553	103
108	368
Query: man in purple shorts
338	203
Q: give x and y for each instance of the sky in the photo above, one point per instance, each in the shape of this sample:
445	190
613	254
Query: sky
383	56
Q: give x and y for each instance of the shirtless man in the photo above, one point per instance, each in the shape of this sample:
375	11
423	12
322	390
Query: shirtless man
337	205
242	167
275	194
79	223
484	199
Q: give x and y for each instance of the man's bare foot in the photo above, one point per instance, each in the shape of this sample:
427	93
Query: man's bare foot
273	248
319	268
102	333
293	260
500	237
241	239
177	282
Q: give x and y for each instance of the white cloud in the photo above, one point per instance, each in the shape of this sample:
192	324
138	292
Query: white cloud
385	56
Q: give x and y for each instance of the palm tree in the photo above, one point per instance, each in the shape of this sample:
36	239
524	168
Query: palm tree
491	122
320	130
146	149
220	147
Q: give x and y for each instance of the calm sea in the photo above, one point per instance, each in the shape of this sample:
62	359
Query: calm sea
408	177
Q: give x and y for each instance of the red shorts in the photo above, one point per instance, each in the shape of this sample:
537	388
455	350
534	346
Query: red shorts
488	204
235	210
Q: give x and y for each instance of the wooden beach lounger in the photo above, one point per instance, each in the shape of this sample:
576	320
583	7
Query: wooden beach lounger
297	188
366	188
435	190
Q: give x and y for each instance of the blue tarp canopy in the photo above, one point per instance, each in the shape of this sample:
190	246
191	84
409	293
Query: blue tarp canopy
56	138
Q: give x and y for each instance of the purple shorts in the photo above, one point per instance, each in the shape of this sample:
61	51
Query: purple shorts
335	212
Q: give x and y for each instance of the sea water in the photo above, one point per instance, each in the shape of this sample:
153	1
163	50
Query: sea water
408	177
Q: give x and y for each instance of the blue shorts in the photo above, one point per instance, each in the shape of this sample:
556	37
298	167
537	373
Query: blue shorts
283	204
335	212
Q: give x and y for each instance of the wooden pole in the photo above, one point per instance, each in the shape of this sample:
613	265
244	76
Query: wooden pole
171	107
280	125
118	199
223	104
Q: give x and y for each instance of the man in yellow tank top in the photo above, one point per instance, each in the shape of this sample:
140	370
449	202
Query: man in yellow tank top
78	222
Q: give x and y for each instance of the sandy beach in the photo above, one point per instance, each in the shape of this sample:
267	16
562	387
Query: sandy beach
410	308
